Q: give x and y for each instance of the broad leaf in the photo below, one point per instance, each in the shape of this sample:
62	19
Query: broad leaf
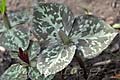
91	35
18	72
34	51
53	22
55	58
35	75
49	18
2	28
15	72
14	38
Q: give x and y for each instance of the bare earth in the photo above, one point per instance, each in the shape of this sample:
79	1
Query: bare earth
109	10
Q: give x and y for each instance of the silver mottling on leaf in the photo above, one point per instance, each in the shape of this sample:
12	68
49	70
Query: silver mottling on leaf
18	72
54	59
15	72
50	17
14	38
91	35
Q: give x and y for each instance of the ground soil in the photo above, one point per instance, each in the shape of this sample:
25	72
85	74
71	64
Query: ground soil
109	10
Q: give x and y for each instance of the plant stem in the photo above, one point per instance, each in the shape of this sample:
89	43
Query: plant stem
6	21
81	63
28	77
30	45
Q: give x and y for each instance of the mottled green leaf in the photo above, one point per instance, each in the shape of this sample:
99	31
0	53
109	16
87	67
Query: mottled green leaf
35	75
2	27
18	72
14	38
49	18
19	17
15	72
91	35
34	51
55	58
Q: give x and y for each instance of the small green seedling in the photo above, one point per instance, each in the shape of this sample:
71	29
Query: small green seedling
2	7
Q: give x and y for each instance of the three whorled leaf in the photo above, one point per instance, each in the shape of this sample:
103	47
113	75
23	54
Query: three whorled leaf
50	18
91	35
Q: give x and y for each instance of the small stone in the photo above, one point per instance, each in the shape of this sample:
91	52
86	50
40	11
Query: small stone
2	49
110	20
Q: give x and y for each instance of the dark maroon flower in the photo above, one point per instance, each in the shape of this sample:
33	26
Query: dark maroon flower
23	55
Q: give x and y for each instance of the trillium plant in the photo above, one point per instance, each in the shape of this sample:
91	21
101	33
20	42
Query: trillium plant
59	36
64	34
